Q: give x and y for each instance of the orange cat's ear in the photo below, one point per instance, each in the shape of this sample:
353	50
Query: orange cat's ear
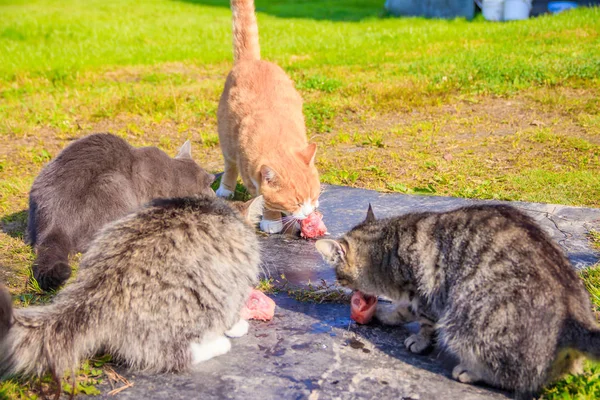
267	174
308	154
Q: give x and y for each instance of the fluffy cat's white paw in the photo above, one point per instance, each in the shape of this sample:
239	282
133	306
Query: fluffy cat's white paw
461	374
269	226
416	343
239	329
224	193
209	348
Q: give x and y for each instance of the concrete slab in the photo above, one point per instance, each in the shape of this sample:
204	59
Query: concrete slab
313	351
308	352
345	207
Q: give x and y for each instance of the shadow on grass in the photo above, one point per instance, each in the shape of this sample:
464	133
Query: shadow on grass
15	225
332	10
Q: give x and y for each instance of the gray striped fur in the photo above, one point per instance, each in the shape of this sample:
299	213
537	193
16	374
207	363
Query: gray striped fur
500	295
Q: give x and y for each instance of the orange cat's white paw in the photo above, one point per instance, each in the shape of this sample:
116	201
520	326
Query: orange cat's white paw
270	226
224	193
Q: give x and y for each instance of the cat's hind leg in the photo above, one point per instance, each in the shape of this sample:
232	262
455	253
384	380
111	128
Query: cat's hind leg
210	347
464	374
51	268
228	180
395	314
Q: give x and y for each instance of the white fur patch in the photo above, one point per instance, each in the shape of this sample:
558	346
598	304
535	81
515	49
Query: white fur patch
209	348
224	193
270	226
304	211
239	329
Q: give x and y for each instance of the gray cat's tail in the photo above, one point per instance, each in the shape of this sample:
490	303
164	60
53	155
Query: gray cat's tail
245	31
40	339
584	337
51	268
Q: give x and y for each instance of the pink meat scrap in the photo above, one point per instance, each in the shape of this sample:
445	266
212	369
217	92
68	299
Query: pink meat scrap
258	306
313	226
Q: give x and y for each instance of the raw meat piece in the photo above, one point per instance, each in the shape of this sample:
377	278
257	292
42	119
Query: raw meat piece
258	306
313	226
362	307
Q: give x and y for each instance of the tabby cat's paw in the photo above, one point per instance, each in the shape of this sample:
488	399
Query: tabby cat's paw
224	193
239	329
461	374
269	226
417	343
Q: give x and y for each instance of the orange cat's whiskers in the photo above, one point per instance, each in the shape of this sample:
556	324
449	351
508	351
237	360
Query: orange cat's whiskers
288	222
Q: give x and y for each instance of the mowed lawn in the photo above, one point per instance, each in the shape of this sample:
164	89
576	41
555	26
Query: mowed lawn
461	108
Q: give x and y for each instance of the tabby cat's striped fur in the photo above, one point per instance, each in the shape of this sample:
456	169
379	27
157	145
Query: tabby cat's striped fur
500	295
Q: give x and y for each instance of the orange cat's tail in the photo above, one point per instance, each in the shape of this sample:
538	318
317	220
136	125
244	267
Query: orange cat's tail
245	31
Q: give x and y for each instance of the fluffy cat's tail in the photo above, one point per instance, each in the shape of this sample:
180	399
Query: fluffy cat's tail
40	339
245	31
51	268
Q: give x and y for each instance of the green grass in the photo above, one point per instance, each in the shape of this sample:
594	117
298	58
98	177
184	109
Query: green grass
463	108
91	373
407	92
587	385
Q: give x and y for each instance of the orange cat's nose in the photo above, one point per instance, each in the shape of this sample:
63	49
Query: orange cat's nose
304	211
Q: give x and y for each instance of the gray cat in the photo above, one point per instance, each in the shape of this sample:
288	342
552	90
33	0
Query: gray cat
500	295
160	289
95	180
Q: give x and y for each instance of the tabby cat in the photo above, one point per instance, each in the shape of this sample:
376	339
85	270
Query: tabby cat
95	180
262	131
500	295
160	289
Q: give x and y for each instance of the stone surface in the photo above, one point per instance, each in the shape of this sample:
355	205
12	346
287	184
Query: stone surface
344	207
314	351
311	351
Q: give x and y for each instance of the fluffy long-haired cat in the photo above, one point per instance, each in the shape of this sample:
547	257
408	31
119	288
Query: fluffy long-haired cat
262	131
500	294
159	289
95	180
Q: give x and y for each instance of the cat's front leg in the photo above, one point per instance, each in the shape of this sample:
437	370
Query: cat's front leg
398	313
419	342
271	222
226	188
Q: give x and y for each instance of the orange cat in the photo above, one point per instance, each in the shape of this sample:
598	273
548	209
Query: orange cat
262	131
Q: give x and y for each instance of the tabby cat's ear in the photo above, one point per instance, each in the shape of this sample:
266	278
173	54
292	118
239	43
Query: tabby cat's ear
185	151
370	214
255	209
308	154
330	250
267	174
